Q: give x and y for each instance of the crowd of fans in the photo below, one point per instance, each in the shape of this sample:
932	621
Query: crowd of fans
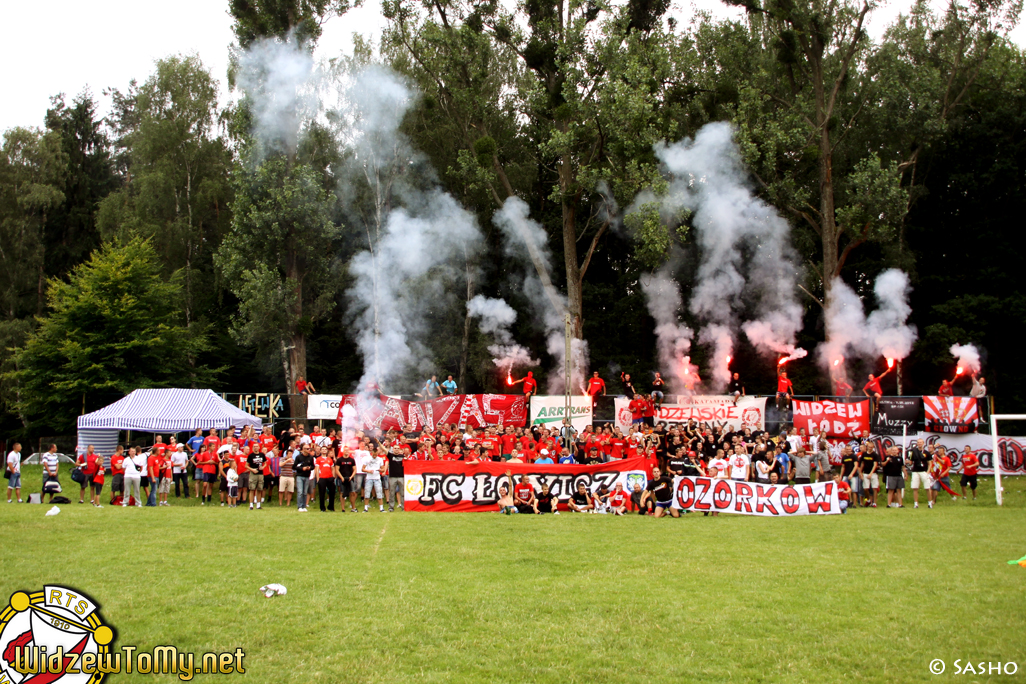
365	468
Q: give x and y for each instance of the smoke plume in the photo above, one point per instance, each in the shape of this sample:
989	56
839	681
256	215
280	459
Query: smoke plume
673	338
746	259
526	240
968	356
496	317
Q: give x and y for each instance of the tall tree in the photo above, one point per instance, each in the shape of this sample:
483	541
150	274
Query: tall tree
115	325
177	170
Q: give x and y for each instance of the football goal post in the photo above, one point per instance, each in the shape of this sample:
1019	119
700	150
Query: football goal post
994	418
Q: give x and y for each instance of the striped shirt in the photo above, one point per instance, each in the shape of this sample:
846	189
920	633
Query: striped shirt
50	462
286	468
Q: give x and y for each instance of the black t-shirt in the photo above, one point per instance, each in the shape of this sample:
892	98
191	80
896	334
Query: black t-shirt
690	468
920	460
892	466
735	386
346	466
579	498
661	488
395	464
868	459
676	465
544	502
256	462
848	464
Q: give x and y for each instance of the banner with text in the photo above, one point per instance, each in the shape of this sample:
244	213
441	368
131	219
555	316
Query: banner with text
459	486
954	415
894	413
1012	449
323	406
549	411
752	498
749	412
832	418
471	410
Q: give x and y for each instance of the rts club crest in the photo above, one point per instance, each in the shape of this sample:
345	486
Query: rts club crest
47	636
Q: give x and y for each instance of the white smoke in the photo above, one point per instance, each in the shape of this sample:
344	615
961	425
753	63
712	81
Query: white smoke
744	245
884	332
673	338
968	356
526	240
496	317
283	88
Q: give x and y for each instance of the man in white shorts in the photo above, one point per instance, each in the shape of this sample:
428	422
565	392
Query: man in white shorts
917	460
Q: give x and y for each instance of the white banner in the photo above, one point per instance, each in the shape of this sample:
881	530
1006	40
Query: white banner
1013	449
549	411
323	406
752	498
749	412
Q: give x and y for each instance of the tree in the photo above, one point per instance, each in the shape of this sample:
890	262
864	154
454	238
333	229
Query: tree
114	326
284	19
70	232
177	191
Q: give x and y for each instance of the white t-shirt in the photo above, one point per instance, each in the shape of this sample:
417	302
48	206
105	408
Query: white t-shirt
14	462
233	477
305	439
134	466
373	466
795	441
764	469
178	461
322	440
739	466
721	465
51	462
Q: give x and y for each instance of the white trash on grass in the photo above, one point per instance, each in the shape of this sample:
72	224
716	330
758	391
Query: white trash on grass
53	511
270	590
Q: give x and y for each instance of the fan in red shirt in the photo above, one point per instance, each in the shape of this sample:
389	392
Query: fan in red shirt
616	445
596	385
785	390
508	440
873	389
618	500
843	492
266	439
637	408
530	384
523	495
648	413
970	466
212	439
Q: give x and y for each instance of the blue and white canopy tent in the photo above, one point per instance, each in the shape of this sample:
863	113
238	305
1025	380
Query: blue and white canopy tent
162	411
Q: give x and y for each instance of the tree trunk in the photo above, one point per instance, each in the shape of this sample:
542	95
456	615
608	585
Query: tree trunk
296	349
828	222
465	348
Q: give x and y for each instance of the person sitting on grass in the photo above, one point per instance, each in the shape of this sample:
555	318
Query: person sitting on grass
661	489
580	501
640	502
600	500
618	500
843	492
524	495
545	502
506	503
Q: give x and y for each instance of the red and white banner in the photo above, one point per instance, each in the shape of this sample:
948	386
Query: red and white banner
832	418
459	486
752	498
1012	449
749	412
954	415
471	410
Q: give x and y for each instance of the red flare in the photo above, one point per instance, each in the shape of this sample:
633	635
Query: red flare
890	363
958	371
728	360
782	361
509	378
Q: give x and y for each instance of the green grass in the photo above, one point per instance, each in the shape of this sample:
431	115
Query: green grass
871	596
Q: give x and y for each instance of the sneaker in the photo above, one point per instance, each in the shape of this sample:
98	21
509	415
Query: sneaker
955	498
555	512
260	505
930	504
138	505
203	503
916	506
366	509
222	503
251	507
381	509
8	501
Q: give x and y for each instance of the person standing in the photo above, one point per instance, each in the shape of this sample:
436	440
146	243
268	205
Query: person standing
135	466
154	466
326	474
893	480
345	465
286	478
918	462
180	470
869	463
51	466
661	490
96	474
850	471
255	465
804	466
80	466
970	466
372	468
304	466
596	386
940	470
117	472
785	392
736	388
14	472
396	481
978	391
166	473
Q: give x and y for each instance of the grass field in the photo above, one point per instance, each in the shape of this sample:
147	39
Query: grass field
871	596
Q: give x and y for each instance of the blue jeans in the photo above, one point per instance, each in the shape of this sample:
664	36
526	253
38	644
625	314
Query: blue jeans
302	490
151	500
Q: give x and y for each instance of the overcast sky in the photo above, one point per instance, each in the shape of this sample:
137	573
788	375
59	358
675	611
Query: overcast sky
64	46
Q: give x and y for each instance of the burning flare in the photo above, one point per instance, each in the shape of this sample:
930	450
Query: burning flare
958	371
782	361
509	377
728	360
890	363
